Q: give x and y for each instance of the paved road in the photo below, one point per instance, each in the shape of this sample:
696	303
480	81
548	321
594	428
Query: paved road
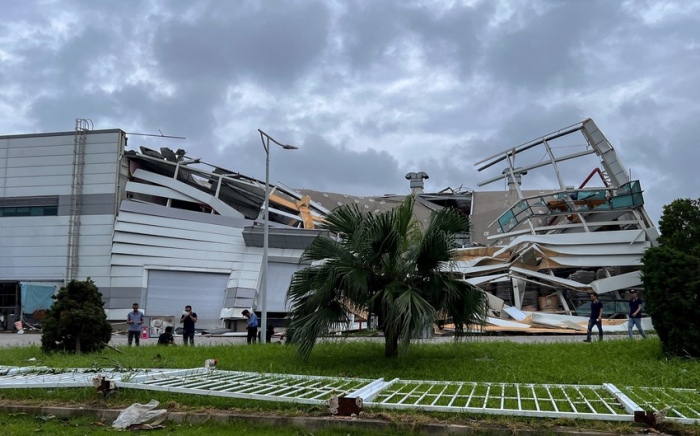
13	339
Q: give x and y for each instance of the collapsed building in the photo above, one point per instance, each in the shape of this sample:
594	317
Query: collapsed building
162	229
550	249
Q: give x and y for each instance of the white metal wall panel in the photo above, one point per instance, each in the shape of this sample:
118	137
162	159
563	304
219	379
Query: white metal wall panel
61	180
35	247
127	271
47	161
12	272
174	223
126	282
50	230
147	250
158	191
125	259
92	139
139	229
41	221
29	151
597	261
170	291
35	241
44	165
59	170
129	238
596	249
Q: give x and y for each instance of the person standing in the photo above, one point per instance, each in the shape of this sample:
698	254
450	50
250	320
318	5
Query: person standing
188	320
596	317
135	321
635	314
252	326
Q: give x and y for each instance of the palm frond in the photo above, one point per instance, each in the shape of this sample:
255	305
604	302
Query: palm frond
410	314
344	220
383	264
310	325
438	243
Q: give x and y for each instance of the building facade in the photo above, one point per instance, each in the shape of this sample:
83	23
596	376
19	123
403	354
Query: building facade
161	229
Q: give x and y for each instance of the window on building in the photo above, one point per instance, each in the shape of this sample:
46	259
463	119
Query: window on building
28	206
29	211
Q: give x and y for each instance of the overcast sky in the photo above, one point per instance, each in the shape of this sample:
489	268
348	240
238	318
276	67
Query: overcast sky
368	90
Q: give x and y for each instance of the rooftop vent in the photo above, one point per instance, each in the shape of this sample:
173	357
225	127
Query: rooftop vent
416	180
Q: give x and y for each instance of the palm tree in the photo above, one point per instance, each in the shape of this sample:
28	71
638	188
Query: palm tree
386	265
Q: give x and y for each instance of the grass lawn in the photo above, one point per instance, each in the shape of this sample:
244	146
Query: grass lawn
621	362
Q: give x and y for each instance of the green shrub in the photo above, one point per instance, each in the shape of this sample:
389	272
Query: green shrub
76	321
671	274
672	282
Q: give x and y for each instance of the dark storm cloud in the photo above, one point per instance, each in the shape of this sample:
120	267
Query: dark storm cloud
272	44
457	166
540	48
370	90
319	165
373	32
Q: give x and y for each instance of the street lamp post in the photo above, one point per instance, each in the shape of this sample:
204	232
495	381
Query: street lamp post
265	138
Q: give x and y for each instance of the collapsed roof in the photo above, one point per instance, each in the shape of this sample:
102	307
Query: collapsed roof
568	240
587	234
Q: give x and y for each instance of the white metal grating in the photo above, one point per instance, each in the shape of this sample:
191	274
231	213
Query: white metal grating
249	385
599	402
44	377
682	405
553	401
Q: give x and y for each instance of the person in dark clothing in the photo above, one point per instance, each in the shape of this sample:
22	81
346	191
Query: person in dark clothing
635	314
268	333
252	326
167	337
596	317
188	319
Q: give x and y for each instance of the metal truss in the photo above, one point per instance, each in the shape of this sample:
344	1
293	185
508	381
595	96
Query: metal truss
595	402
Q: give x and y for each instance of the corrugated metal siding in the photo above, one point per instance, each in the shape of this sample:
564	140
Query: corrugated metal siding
35	248
44	165
158	237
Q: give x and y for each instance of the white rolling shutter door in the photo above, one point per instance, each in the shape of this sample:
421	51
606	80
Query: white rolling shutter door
170	291
278	279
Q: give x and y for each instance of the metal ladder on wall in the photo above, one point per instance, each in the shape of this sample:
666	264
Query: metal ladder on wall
73	259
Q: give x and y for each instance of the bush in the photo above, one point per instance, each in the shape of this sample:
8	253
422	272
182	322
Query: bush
672	285
76	321
671	274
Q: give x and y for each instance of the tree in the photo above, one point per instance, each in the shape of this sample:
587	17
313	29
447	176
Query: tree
671	275
76	321
680	226
386	265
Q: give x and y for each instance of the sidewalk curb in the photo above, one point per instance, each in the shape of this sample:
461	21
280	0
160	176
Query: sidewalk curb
308	423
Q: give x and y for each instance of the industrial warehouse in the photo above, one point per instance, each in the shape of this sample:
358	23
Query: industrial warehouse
163	229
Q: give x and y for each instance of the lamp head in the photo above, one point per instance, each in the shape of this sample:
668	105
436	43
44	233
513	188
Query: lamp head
290	147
